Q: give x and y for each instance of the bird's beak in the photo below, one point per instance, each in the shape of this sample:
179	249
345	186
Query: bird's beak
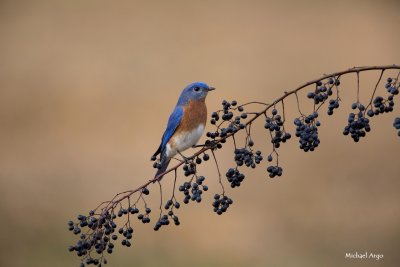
211	88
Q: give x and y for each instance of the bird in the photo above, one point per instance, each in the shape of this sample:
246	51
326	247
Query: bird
185	125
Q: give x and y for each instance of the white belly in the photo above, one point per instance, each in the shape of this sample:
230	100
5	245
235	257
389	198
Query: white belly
184	141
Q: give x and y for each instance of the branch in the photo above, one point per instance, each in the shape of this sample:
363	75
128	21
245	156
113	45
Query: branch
101	221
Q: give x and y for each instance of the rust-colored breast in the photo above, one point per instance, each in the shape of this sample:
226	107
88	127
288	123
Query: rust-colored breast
194	113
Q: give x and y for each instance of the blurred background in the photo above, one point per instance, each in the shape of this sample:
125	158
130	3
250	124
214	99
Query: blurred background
86	88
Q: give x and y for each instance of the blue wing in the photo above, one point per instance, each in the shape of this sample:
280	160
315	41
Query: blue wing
173	123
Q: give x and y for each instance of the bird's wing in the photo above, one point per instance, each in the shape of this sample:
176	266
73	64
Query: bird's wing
173	123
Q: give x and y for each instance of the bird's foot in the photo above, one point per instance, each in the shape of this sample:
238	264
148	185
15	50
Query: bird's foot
185	159
196	146
209	143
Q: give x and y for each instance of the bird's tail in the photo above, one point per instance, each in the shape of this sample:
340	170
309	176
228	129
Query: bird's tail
164	165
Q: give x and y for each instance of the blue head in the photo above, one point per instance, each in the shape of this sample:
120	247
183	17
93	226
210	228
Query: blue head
194	91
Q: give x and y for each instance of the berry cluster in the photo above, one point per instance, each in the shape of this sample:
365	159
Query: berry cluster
238	122
391	86
333	104
90	260
226	107
221	203
275	125
189	168
323	90
234	177
382	105
99	237
227	115
193	191
396	125
358	124
164	220
171	203
228	130
127	232
214	118
274	171
144	218
307	131
234	125
212	135
247	157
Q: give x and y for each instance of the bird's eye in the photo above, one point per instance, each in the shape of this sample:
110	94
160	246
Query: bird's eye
196	89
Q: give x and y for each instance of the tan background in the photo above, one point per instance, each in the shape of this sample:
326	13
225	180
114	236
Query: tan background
86	88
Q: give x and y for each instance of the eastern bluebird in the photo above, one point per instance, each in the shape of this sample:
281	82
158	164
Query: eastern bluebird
185	124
